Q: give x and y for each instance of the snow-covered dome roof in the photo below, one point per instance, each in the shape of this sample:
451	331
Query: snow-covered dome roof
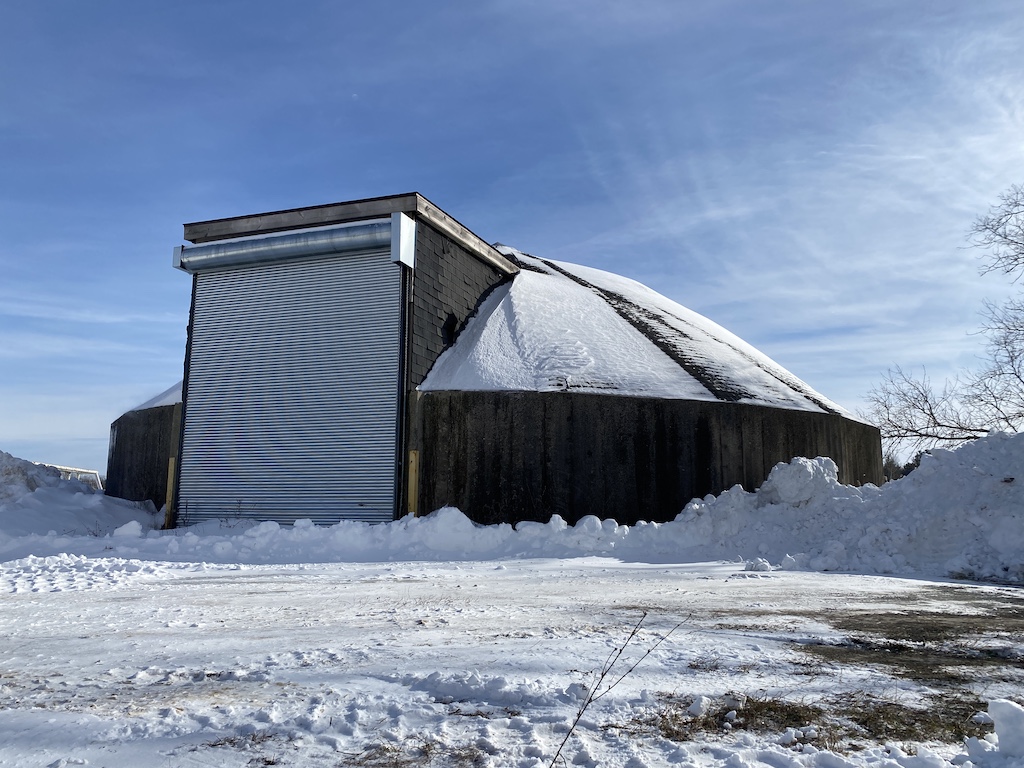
560	326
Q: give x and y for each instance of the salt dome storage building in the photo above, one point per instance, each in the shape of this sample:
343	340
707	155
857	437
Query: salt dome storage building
370	359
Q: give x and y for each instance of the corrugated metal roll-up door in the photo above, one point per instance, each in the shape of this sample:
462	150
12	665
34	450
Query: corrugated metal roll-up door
291	408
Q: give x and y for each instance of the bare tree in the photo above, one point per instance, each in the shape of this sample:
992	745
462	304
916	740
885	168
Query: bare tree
1001	233
997	390
912	413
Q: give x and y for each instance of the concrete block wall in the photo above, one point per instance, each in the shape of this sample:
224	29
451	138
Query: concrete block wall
447	280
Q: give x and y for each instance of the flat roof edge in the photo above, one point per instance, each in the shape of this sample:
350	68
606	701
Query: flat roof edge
411	203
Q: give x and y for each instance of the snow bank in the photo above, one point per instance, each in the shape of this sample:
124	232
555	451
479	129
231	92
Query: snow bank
19	477
35	501
961	514
1004	748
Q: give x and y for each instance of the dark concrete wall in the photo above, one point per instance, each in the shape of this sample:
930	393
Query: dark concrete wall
510	456
447	280
141	444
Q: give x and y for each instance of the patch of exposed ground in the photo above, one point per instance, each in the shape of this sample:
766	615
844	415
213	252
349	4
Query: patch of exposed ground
843	723
947	665
948	636
418	752
932	645
950	640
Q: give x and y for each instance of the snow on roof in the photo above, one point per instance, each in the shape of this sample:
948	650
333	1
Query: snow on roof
560	326
169	396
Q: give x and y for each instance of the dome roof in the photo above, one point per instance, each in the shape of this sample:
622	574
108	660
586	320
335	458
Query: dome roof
169	396
559	326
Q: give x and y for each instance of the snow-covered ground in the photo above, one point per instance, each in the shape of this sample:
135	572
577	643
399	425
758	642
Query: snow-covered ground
773	636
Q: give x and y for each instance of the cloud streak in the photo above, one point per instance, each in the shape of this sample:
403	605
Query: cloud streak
858	220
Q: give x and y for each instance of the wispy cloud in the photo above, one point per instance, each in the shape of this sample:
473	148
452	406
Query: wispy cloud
857	220
72	309
23	345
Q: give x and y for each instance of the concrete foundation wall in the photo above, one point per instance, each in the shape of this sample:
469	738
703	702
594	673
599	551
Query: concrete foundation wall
141	445
509	456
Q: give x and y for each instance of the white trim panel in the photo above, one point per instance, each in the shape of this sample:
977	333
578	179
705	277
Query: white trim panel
403	239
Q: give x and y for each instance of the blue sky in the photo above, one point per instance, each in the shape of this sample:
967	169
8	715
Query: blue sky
803	173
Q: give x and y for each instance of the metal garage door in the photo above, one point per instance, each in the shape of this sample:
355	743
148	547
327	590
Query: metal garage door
291	408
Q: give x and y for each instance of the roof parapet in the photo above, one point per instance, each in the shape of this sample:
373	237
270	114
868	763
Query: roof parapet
412	204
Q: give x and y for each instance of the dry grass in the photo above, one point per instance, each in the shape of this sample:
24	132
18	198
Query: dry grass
842	724
947	666
252	742
761	715
946	719
417	752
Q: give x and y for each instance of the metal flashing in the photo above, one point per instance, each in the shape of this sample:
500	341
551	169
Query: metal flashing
403	239
413	204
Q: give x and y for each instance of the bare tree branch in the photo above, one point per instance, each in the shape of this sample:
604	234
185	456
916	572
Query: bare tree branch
1001	233
915	415
911	413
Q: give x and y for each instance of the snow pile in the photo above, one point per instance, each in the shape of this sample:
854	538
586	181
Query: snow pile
19	477
961	513
34	500
1008	740
560	326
